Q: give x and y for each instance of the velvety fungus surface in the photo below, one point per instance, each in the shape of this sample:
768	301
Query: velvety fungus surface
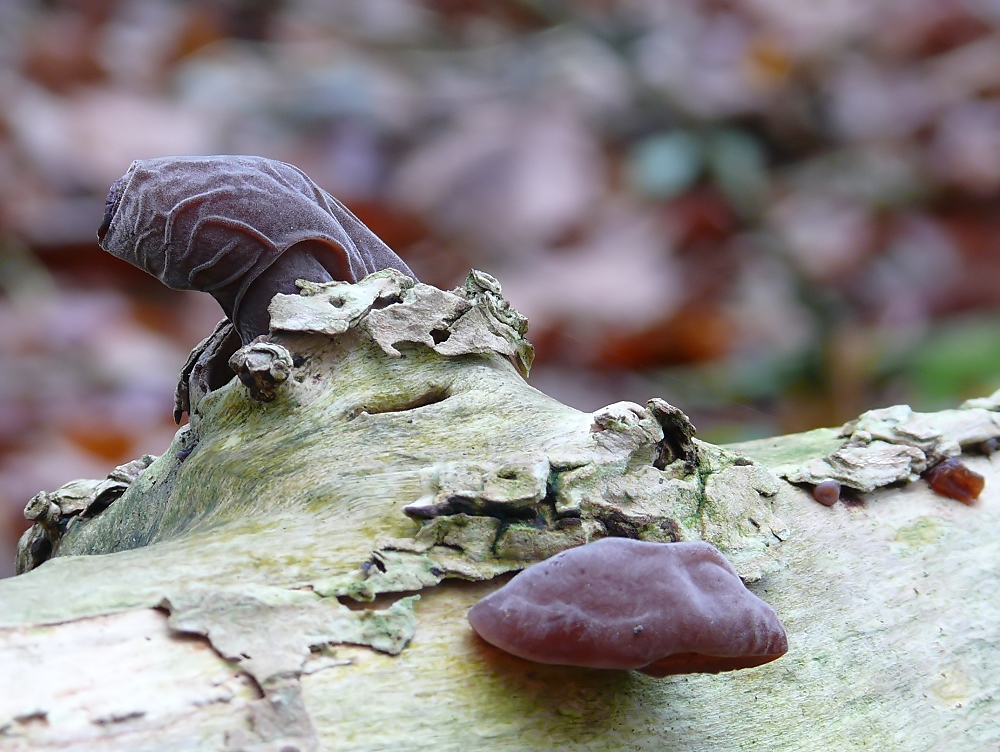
660	608
239	227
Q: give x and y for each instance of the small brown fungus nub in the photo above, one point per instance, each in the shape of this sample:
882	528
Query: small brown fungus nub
827	493
951	478
660	608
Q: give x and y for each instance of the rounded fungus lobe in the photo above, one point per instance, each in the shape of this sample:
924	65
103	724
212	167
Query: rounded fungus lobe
239	227
660	608
827	493
951	478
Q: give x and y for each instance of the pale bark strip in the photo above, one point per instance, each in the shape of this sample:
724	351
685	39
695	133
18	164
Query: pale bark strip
117	682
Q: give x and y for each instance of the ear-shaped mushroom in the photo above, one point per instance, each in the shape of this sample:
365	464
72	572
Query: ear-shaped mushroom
661	608
239	227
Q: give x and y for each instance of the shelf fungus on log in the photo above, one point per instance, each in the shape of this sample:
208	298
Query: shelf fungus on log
659	608
241	228
405	448
381	438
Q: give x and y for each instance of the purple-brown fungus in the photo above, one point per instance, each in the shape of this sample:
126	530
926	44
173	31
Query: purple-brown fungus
660	608
951	478
239	227
827	493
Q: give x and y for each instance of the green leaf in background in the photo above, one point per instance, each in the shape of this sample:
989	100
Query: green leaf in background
958	359
737	162
666	164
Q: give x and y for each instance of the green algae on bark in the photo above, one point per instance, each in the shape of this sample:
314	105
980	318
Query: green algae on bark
383	466
380	440
384	371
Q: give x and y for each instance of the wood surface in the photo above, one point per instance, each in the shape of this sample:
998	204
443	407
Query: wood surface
220	603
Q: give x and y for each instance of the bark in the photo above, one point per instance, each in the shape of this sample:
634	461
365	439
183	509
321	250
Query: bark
294	572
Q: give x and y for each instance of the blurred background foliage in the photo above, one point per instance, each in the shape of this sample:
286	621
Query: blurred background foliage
773	213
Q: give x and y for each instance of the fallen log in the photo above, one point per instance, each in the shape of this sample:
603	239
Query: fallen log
294	572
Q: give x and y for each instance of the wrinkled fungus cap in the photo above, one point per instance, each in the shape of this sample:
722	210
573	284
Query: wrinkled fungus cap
661	608
205	223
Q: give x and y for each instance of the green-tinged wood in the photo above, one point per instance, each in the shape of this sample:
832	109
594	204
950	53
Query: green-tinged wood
784	453
251	588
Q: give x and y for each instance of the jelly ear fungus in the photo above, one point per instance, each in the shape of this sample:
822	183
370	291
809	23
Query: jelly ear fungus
659	608
239	227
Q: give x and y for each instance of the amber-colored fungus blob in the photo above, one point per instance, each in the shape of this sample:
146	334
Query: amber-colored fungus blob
951	478
660	608
827	493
